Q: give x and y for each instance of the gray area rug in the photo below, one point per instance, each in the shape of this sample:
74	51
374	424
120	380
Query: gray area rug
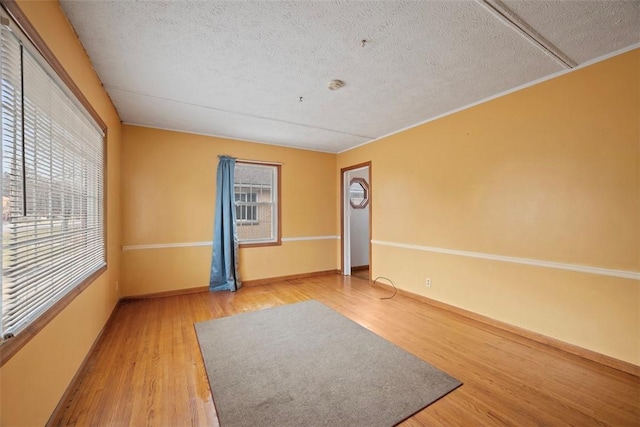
305	364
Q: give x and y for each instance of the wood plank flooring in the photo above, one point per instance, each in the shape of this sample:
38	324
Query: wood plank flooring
147	368
362	274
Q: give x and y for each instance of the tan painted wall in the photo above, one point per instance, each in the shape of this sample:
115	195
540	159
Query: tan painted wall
169	197
32	382
548	173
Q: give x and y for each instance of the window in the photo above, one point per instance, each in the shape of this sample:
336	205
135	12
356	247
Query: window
246	205
52	186
359	193
257	195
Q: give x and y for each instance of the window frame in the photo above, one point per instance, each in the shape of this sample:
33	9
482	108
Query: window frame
277	240
365	193
19	22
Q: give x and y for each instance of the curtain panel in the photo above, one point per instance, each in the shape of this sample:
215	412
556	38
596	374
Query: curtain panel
225	275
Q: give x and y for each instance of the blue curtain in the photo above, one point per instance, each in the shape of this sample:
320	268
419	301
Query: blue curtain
224	262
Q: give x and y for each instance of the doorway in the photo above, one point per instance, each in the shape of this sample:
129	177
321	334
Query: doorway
356	213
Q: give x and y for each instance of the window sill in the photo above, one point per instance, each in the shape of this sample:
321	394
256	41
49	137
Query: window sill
11	346
259	244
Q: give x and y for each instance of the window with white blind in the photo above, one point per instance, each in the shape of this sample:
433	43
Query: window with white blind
256	191
52	186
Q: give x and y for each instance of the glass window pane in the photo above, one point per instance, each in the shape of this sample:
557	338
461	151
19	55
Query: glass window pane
255	192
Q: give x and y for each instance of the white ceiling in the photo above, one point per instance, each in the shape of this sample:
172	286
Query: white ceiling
237	69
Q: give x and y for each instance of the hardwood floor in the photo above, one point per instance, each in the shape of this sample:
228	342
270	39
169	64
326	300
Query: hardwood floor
362	274
147	368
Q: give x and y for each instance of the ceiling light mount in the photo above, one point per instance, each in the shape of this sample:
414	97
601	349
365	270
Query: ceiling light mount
335	84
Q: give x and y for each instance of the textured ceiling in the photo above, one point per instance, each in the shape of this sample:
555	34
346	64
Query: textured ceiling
238	69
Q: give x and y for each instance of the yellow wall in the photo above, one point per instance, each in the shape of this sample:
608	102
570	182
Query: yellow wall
169	198
32	382
547	173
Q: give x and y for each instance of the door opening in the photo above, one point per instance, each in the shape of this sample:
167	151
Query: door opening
356	220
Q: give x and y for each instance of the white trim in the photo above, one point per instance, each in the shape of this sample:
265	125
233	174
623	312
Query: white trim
166	245
633	275
501	94
230	138
506	15
300	239
210	243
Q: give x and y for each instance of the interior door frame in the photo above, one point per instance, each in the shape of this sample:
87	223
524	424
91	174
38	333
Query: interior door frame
344	205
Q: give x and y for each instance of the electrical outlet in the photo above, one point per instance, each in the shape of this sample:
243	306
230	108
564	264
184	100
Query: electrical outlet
117	285
428	282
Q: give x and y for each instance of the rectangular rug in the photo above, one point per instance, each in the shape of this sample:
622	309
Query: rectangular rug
304	364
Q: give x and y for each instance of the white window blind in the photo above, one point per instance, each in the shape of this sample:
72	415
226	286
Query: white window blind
52	187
